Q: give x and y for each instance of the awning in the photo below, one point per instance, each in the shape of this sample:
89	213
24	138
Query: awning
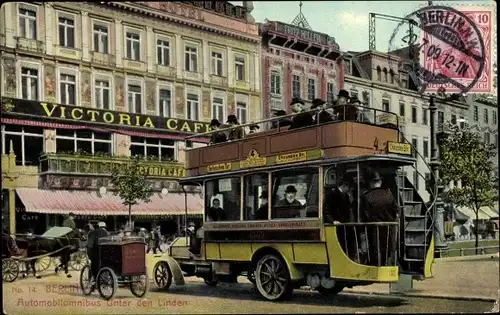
90	203
490	212
468	212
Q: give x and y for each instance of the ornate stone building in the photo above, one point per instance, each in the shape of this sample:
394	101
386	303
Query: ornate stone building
87	85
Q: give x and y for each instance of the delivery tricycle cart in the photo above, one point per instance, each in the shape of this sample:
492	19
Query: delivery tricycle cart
122	262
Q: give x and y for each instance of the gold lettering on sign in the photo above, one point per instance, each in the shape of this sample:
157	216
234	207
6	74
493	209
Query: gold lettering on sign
108	117
291	158
92	114
219	167
172	124
253	160
163	171
73	115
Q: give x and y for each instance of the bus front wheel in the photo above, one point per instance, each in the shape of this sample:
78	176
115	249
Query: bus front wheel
272	278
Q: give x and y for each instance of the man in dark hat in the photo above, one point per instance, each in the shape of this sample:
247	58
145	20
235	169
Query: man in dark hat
236	132
378	205
215	212
218	136
288	207
284	122
342	97
262	212
338	108
301	118
323	116
352	109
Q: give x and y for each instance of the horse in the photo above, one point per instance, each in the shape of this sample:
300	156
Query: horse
57	242
463	231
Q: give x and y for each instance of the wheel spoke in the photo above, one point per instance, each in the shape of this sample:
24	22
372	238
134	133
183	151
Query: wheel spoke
280	285
266	273
267	281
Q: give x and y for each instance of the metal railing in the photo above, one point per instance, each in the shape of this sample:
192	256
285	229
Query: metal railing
339	115
369	243
482	249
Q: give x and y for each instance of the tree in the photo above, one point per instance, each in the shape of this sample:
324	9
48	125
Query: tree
466	158
131	186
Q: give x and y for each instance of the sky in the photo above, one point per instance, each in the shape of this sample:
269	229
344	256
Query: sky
346	21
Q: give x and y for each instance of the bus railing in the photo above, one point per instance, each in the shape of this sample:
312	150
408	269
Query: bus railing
369	243
468	251
363	114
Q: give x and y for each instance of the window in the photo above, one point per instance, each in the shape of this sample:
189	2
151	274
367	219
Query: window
379	74
426	148
83	141
385	75
330	92
476	113
347	66
66	32
193	107
135	99
366	98
296	86
295	193
102	94
27	23
354	94
68	86
163	52
239	64
462	122
29	83
391	73
494	117
133	46
27	143
165	103
440	118
241	112
414	143
217	63
218	108
487	139
424	116
275	83
486	120
311	89
100	39
191	59
453	119
154	149
386	105
402	109
223	199
414	114
255	202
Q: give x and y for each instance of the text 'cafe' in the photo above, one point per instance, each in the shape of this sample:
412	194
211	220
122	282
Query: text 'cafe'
74	144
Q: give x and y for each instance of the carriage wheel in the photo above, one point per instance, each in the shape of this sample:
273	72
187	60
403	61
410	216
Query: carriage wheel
86	283
162	275
107	283
10	270
139	285
272	278
78	261
42	264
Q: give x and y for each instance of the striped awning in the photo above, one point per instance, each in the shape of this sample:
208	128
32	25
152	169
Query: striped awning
91	203
468	212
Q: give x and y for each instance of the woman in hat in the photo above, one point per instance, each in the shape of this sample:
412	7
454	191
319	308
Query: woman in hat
283	122
218	136
236	132
302	118
323	116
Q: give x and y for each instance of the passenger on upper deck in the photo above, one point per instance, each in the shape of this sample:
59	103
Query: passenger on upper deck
262	212
323	116
284	122
342	99
354	110
254	128
302	119
217	137
236	132
288	207
215	212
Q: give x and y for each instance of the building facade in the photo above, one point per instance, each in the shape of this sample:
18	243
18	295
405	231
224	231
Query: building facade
88	85
297	62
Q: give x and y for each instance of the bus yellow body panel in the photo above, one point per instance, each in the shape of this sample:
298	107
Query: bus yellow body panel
307	253
343	268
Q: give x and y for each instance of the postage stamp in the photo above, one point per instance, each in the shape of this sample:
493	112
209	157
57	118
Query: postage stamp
452	49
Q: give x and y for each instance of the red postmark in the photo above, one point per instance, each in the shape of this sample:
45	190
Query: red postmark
441	56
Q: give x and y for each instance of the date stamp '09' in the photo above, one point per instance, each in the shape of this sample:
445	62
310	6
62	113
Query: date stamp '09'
453	46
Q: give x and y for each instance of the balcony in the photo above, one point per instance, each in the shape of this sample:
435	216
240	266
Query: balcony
30	45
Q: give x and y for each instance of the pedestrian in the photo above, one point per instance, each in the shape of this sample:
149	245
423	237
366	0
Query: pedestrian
70	221
157	233
92	246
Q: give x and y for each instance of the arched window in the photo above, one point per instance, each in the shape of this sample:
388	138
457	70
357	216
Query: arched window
385	74
392	76
379	73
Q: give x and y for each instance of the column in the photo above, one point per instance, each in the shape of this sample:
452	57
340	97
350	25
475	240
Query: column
10	22
206	61
49	24
150	48
230	67
118	42
179	55
257	66
85	36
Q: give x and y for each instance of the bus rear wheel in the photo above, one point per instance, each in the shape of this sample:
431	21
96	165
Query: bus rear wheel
272	278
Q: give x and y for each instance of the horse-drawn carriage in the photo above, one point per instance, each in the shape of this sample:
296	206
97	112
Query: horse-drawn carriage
36	252
122	262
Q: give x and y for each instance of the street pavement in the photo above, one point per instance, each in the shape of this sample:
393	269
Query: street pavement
56	294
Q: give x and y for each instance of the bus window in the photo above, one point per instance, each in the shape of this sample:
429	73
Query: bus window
295	193
341	192
222	199
256	195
